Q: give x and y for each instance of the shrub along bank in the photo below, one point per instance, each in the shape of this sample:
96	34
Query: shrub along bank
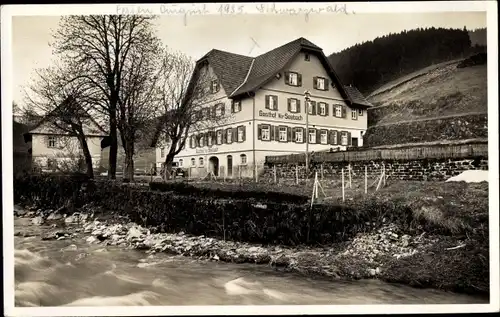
267	222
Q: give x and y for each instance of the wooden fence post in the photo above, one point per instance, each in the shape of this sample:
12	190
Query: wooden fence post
297	174
366	179
350	179
343	191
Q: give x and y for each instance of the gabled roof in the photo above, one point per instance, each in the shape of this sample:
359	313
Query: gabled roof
231	69
357	97
241	74
67	103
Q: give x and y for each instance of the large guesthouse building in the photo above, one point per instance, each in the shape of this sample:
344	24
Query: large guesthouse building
264	98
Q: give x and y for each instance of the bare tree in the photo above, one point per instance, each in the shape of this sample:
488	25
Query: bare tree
184	97
100	47
64	106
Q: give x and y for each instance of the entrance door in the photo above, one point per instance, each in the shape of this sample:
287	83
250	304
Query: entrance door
229	166
214	165
355	142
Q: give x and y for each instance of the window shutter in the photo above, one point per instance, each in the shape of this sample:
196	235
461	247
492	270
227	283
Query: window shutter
232	107
327	106
327	84
289	134
318	136
267	101
339	137
244	133
298	106
287	78
235	134
214	110
259	132
313	106
217	87
303	134
330	137
216	140
277	132
224	136
344	112
289	101
271	133
349	141
276	102
299	80
222	109
315	82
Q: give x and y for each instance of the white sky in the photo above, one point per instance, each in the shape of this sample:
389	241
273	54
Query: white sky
32	34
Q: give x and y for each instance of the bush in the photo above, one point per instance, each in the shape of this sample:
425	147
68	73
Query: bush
245	191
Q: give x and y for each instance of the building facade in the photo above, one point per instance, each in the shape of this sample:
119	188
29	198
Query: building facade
53	150
263	101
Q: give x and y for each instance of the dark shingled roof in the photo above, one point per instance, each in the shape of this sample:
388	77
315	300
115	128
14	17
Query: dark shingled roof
357	97
231	69
241	74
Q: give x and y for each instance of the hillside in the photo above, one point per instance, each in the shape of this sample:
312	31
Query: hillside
441	102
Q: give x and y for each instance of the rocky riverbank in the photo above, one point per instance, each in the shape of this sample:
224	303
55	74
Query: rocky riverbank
364	256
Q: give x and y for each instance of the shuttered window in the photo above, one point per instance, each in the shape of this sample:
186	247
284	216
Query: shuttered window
338	111
271	102
344	140
266	133
299	135
293	79
283	133
312	136
324	136
241	133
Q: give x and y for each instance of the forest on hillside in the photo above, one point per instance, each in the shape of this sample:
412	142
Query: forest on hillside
371	64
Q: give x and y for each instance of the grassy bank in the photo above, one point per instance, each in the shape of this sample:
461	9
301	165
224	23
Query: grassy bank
421	234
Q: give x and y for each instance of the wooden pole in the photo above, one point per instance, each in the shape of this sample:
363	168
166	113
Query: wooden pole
384	175
297	174
322	172
366	179
316	185
343	191
350	179
313	194
274	173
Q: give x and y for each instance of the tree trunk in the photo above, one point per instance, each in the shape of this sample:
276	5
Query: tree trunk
113	149
86	155
169	160
129	162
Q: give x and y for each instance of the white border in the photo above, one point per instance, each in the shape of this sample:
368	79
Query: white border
249	8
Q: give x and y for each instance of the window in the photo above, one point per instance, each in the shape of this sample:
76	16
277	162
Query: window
181	161
51	164
219	110
360	112
209	139
201	161
266	133
322	108
219	137
193	162
344	138
272	102
338	111
52	141
307	57
282	134
215	86
312	136
241	134
201	140
293	79
243	159
162	152
321	83
293	105
334	137
298	136
324	137
236	106
229	134
310	107
354	114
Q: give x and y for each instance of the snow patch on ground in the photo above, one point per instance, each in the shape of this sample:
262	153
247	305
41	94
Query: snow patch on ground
474	176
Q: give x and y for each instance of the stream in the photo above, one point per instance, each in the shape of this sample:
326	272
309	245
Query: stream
72	272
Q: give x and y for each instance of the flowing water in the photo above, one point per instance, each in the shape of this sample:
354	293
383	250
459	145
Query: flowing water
74	273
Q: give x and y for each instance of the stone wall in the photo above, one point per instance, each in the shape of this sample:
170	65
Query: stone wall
426	163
